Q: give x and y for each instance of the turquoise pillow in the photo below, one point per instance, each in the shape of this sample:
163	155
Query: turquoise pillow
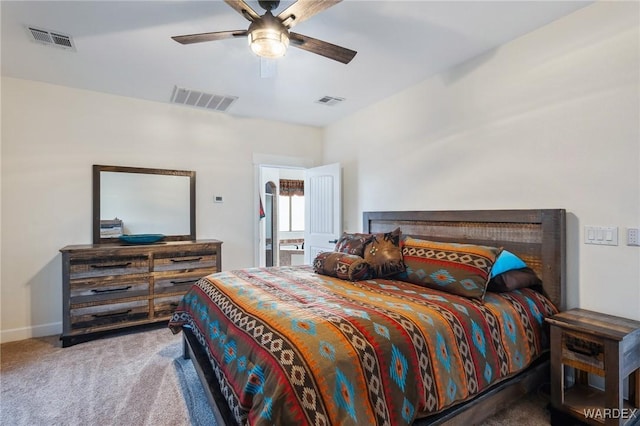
506	262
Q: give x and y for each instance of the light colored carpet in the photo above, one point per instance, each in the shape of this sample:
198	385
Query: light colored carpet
130	379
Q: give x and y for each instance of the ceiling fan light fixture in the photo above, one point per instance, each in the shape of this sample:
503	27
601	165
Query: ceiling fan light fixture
268	42
268	37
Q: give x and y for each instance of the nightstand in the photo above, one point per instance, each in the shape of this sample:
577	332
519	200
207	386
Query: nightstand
604	345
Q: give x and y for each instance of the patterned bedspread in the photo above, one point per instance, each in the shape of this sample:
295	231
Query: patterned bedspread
291	347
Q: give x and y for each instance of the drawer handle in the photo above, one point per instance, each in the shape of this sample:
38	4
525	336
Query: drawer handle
585	348
181	282
112	314
111	290
192	259
114	265
174	304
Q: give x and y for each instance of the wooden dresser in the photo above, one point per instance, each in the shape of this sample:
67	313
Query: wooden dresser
108	287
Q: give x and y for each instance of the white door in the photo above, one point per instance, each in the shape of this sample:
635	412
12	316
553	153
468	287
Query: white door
323	209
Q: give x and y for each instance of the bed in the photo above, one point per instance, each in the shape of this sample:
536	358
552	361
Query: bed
287	345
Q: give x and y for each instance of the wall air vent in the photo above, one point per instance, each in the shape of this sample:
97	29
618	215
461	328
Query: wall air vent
329	100
51	38
199	99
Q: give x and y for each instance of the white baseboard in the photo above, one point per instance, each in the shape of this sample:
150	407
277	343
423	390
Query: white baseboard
29	332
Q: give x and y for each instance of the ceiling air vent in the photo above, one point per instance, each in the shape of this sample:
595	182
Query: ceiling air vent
51	38
199	99
329	100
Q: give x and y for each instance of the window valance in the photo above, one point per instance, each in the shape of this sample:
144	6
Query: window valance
289	187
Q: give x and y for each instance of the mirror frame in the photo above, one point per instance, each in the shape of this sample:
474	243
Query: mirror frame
122	169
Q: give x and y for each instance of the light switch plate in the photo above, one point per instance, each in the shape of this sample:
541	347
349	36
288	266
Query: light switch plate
601	235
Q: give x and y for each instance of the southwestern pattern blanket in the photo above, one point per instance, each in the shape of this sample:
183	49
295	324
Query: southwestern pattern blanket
290	346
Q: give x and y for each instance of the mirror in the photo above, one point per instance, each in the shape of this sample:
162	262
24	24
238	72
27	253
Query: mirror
135	200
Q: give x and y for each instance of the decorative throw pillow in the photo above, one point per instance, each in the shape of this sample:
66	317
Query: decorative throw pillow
384	255
513	280
506	262
461	269
353	243
341	265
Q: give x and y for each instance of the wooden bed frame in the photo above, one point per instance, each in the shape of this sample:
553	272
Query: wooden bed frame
537	236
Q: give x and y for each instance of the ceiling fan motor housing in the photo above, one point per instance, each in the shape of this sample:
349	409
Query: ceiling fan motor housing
269	5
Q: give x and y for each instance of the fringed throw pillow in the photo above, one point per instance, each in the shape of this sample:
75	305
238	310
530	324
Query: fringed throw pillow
383	254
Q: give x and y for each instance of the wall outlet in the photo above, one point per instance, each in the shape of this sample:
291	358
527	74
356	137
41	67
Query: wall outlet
633	237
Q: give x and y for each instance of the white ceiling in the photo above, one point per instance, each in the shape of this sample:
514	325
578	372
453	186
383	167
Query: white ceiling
124	48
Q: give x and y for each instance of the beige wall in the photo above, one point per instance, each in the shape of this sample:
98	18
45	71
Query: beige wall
550	120
51	136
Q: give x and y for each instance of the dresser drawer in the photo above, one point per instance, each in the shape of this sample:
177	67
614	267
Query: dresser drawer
177	283
163	307
106	315
100	289
114	265
583	351
184	261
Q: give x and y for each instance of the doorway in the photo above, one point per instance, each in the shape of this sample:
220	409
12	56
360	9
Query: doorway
281	229
296	237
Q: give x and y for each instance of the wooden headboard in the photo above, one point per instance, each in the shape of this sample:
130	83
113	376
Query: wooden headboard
536	236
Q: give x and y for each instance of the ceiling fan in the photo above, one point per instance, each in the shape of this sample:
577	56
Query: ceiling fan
269	35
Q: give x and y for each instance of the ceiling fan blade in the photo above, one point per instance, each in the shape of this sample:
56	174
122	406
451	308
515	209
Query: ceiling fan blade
303	10
199	38
323	48
243	9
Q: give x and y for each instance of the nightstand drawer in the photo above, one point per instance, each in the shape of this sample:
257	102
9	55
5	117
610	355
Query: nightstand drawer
583	351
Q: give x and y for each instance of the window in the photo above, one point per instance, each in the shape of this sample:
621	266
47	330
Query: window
291	213
291	205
